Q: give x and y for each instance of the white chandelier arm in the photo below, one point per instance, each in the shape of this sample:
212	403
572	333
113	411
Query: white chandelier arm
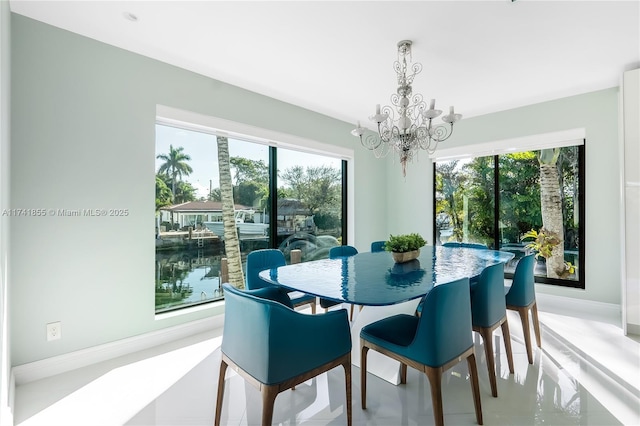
368	140
382	150
386	130
441	132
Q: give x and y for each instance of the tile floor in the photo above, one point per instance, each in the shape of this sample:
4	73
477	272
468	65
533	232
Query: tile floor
587	373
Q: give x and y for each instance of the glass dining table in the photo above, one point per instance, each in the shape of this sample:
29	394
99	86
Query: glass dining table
381	286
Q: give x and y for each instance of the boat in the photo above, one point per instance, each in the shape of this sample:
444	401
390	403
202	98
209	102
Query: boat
245	229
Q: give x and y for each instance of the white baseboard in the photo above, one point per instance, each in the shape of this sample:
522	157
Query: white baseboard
567	305
633	329
48	367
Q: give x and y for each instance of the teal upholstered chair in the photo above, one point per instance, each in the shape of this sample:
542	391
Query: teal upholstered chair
453	244
276	348
432	343
488	312
259	260
336	253
521	297
377	246
342	251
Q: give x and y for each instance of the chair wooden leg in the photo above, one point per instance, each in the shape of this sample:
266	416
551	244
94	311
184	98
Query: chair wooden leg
435	380
506	335
403	373
269	394
363	376
475	386
351	317
347	380
536	323
524	317
488	351
313	307
223	370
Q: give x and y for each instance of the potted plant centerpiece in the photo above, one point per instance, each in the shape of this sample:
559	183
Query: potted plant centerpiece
404	247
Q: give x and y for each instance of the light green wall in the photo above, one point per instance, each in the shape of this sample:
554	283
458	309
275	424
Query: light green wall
597	112
83	116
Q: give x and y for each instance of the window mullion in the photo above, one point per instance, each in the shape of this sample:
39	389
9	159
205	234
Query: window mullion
496	203
273	197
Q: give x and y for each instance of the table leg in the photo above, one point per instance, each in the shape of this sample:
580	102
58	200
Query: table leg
378	364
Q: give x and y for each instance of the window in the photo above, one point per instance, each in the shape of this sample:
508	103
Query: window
505	201
306	214
309	204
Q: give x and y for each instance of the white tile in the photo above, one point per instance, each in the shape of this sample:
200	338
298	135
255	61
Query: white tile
585	373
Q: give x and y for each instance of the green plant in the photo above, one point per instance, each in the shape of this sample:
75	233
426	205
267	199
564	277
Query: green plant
543	242
404	243
568	270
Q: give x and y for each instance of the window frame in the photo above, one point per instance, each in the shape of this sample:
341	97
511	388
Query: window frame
190	121
580	283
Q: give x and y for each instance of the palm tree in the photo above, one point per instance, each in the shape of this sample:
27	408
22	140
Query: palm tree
231	241
175	165
551	207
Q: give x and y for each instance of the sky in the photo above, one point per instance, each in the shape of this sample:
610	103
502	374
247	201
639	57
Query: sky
202	149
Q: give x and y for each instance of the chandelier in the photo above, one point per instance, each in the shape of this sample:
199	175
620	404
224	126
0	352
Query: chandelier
406	127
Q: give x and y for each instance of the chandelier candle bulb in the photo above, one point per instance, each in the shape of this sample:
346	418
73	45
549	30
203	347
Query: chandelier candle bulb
406	126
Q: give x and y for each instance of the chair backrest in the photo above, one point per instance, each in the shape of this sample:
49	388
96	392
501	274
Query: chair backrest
342	251
444	328
522	291
259	260
465	245
377	246
250	325
262	336
487	300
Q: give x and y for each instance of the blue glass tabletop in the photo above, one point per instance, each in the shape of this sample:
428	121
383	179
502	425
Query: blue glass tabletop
375	279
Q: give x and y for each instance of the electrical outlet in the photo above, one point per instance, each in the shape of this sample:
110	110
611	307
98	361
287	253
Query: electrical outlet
54	331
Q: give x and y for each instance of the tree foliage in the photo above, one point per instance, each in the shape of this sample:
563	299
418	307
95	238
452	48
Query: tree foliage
246	170
519	194
480	199
327	220
215	195
519	183
449	185
318	188
182	193
250	181
163	193
175	166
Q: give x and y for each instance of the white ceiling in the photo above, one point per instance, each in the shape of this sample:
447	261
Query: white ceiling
335	57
